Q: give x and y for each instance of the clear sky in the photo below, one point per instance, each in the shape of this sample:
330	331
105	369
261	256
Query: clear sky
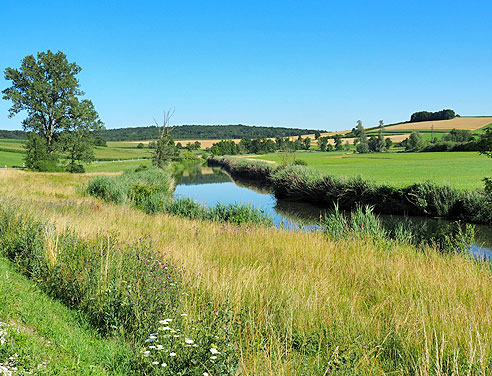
307	64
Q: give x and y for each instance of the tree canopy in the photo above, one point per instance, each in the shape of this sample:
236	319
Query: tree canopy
429	116
46	87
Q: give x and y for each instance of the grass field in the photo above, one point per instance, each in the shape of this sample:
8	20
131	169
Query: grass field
302	303
10	159
10	152
460	169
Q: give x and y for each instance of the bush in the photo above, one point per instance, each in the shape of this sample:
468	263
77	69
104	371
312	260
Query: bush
47	166
300	162
107	189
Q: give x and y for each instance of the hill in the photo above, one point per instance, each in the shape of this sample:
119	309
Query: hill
202	132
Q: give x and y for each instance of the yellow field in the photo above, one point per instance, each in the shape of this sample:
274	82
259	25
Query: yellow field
468	123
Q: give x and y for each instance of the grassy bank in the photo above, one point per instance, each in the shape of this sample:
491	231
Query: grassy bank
464	170
299	303
300	183
41	336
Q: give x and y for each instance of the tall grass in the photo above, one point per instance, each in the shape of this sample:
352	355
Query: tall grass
300	183
301	303
124	289
362	222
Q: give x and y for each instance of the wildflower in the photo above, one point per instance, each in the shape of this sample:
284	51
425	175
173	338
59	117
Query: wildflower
172	354
164	364
154	363
184	315
165	328
205	373
213	350
188	340
213	357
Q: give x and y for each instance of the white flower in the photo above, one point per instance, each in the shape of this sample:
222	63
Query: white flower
213	357
193	361
213	350
154	363
165	328
184	315
205	373
188	340
164	364
146	353
172	354
160	347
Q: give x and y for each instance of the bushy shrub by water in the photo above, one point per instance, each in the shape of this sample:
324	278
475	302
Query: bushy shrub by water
149	190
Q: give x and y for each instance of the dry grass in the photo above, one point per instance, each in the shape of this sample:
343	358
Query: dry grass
468	123
376	297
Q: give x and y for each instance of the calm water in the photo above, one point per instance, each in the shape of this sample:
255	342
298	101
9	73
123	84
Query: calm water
211	186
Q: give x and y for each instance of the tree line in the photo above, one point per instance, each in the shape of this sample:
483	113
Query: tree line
202	132
431	116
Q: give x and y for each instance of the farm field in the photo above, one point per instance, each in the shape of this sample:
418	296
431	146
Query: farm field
459	169
381	306
468	123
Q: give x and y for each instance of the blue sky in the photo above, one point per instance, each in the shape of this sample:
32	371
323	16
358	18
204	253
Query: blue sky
307	64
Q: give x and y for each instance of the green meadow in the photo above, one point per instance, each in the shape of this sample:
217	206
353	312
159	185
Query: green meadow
12	154
460	169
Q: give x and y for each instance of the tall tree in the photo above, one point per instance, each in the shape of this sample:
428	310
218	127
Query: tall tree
46	87
362	145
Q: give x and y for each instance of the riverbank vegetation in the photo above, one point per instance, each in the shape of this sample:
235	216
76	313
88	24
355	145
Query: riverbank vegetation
286	302
301	183
149	189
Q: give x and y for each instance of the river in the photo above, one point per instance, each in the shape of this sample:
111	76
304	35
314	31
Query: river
210	186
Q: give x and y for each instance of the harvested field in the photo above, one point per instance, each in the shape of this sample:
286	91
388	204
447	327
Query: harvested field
468	123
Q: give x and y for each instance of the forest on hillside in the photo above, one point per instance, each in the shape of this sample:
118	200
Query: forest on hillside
202	132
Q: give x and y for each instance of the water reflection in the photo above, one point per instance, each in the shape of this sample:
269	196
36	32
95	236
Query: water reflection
210	186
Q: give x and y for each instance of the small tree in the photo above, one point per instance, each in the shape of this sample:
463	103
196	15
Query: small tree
306	143
323	143
388	143
338	142
165	151
415	142
485	148
362	145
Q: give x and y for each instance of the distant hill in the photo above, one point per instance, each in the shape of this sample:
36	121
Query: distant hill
12	135
202	132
